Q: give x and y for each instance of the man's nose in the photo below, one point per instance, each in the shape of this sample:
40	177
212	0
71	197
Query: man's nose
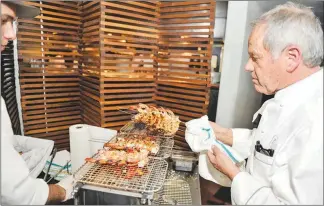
249	66
9	32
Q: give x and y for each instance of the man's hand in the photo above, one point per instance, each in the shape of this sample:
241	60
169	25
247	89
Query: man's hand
67	184
224	135
222	163
61	191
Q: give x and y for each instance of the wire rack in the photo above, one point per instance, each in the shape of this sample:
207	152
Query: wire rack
166	147
175	190
139	128
124	178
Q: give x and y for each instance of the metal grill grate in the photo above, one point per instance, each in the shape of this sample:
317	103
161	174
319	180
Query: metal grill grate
118	178
166	147
174	191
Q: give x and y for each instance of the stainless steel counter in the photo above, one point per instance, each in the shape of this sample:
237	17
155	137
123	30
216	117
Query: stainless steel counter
180	187
188	193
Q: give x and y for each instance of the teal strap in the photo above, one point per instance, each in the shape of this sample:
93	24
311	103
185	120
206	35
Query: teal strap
221	144
47	162
208	132
227	151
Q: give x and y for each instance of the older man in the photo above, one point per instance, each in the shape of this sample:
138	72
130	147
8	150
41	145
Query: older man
285	148
18	174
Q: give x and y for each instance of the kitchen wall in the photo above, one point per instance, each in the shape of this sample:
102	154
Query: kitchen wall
237	100
220	19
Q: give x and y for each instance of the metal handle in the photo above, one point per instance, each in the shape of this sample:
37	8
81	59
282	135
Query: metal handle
50	164
67	164
76	189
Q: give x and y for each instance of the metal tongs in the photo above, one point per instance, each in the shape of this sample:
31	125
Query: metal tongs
50	164
65	166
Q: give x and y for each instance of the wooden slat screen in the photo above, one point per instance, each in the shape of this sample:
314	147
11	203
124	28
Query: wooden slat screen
123	53
8	87
48	49
128	39
90	63
185	48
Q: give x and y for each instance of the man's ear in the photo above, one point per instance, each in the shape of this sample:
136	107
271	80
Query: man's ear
293	56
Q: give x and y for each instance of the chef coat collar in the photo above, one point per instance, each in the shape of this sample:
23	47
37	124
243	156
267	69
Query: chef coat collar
300	90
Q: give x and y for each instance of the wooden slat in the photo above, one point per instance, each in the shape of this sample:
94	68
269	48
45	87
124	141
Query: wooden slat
50	93
186	15
57	8
88	4
186	34
56	25
62	15
141	28
127	20
183	3
129	14
185	9
129	8
118	31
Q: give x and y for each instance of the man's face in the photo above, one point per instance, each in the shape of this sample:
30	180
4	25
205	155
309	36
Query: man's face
7	32
265	70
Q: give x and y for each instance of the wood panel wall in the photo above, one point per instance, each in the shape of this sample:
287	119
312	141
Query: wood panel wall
90	63
48	49
8	87
185	49
123	53
128	39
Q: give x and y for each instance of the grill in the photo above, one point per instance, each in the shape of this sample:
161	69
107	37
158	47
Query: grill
174	191
128	179
124	178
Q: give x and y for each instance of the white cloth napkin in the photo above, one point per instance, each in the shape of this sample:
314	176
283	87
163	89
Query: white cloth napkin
200	137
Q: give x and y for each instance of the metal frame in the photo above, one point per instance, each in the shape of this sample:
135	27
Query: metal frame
108	176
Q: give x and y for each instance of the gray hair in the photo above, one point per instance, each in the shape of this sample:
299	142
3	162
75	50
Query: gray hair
292	23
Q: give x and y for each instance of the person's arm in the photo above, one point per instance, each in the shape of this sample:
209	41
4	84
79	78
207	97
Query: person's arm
35	152
18	187
300	181
238	139
56	194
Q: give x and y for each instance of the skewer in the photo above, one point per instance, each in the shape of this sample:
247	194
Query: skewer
125	112
121	110
66	165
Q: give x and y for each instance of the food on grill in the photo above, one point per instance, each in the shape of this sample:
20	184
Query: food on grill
157	119
129	158
129	172
135	142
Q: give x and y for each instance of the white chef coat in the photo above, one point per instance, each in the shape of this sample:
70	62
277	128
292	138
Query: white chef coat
18	186
292	125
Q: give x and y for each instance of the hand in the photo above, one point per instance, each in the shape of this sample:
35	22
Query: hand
224	135
67	184
222	162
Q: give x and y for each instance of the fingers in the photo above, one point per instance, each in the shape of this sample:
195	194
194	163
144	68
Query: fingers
215	149
211	157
